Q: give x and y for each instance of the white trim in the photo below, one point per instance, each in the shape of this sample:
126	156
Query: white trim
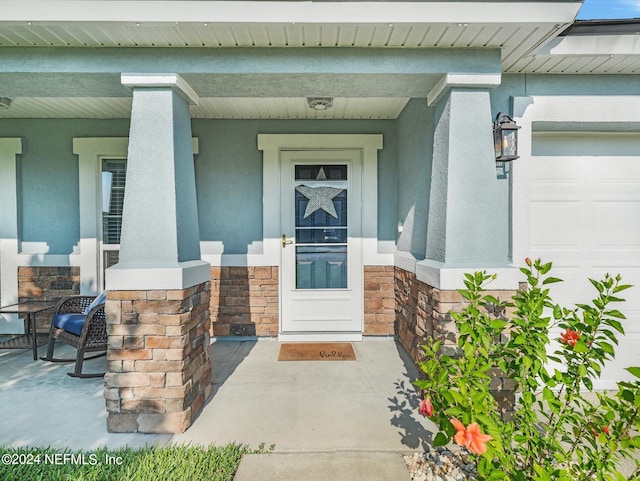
405	260
436	275
9	149
167	80
577	108
182	276
320	337
447	278
367	142
605	45
462	80
375	253
90	152
171	12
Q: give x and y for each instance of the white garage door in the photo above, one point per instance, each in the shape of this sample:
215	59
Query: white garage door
584	215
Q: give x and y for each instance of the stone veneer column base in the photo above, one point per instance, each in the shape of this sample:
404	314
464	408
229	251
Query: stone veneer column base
423	312
159	374
47	283
379	301
244	301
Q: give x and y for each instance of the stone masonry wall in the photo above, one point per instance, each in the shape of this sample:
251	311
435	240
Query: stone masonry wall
244	301
45	283
379	301
159	369
423	312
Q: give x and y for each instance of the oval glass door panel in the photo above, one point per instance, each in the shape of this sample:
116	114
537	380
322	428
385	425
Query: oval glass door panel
321	227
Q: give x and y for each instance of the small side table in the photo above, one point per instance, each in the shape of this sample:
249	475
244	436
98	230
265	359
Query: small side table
30	338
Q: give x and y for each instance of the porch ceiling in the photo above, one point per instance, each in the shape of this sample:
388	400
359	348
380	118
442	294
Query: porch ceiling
461	32
211	108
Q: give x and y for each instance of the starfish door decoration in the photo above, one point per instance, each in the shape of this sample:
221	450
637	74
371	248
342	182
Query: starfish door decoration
319	198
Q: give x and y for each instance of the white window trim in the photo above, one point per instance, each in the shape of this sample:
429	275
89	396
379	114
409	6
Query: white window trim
9	150
91	151
373	251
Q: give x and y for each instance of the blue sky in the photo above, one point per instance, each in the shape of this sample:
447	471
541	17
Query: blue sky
600	9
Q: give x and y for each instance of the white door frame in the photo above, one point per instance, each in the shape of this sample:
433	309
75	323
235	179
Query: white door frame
334	313
368	144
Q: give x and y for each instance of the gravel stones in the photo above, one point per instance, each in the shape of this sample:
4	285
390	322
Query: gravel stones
441	464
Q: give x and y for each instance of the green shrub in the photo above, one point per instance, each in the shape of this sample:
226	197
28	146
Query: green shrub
557	433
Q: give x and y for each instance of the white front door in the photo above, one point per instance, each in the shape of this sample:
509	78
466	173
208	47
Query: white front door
321	264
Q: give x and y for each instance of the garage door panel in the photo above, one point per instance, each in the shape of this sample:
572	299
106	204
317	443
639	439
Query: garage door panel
551	171
629	275
615	224
615	169
583	211
627	355
556	224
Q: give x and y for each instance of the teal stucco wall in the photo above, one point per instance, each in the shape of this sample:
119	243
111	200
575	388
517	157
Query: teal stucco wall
48	176
415	152
228	175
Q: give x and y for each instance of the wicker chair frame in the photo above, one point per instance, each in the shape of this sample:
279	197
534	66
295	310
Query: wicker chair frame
93	337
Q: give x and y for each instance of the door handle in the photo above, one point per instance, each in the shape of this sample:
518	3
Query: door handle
285	241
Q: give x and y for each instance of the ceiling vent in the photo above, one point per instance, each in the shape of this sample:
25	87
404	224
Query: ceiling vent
320	103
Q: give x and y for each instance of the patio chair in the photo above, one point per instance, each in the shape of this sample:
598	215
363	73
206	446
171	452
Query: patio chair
79	321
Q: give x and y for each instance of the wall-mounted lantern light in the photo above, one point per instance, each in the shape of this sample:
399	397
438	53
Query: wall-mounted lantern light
505	138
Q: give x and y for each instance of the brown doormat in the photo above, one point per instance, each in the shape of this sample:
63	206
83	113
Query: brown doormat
316	351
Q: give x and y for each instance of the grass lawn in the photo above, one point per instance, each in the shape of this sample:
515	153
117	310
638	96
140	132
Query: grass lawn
176	463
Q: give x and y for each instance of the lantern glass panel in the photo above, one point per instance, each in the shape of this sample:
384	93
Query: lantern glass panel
509	143
497	142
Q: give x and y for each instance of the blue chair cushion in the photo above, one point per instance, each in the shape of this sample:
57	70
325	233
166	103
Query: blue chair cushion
70	322
96	302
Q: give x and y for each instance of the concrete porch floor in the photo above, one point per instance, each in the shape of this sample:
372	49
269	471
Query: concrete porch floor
364	405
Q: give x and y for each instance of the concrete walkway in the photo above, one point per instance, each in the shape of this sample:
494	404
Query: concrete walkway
352	417
364	405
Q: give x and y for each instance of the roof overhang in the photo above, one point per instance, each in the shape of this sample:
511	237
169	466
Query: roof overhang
510	29
270	12
588	47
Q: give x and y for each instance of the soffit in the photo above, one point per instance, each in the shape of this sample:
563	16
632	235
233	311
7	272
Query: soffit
211	108
584	54
516	27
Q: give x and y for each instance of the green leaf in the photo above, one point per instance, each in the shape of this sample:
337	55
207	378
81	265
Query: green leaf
466	294
635	371
621	288
615	324
491	299
544	268
557	312
551	280
497	474
616	313
606	347
581	346
547	394
498	324
597	285
627	395
440	440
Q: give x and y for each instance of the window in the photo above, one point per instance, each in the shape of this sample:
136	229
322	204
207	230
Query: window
112	220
